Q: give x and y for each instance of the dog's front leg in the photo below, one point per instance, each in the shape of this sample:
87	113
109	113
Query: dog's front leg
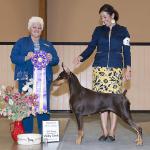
80	129
80	136
139	140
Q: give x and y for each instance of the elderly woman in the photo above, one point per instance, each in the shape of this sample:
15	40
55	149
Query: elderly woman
21	55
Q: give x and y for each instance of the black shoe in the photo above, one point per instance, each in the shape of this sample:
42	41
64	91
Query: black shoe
111	138
103	138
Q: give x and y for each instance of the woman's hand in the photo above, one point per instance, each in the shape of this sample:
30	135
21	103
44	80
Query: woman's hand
127	73
49	56
77	60
29	56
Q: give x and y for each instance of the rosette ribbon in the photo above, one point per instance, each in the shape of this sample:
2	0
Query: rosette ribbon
40	61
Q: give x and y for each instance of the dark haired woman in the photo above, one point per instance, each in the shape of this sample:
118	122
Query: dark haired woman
112	62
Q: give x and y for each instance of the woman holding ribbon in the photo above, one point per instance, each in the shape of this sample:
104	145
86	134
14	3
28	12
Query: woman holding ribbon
34	58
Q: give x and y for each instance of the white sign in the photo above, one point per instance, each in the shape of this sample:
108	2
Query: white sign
50	131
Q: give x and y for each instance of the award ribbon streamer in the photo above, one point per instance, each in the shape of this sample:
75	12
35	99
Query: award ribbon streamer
40	62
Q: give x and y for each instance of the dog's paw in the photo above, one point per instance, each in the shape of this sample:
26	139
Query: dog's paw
79	140
139	142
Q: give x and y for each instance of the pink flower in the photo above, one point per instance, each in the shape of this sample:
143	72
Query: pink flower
16	106
6	98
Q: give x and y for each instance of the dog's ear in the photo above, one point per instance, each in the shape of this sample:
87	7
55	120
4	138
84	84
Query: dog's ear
66	69
125	91
63	66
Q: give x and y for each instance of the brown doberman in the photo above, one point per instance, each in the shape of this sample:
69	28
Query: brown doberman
84	102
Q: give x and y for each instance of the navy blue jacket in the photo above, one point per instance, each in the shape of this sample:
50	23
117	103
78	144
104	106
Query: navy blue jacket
113	51
21	49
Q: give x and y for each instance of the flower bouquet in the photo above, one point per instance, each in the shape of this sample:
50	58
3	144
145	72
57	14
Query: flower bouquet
14	105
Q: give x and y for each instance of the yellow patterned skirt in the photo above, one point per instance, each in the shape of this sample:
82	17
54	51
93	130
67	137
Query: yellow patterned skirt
107	80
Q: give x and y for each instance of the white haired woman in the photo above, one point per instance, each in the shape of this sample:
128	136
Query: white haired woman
21	55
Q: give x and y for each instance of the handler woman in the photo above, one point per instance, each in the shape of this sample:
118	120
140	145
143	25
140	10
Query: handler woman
21	55
112	62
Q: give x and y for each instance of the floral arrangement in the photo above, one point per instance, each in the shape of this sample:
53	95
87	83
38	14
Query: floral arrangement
14	105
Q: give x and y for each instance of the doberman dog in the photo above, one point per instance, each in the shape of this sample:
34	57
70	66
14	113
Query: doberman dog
84	102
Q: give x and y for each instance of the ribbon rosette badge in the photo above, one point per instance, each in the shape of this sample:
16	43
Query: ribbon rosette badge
40	59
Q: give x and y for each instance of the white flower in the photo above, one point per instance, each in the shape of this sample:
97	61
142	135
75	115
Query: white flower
11	102
31	80
4	114
30	90
28	87
25	88
126	41
3	87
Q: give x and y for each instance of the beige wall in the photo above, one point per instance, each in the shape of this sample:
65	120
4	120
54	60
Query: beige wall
138	93
14	15
75	20
138	88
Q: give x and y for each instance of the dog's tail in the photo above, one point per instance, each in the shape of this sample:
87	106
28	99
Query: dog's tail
125	91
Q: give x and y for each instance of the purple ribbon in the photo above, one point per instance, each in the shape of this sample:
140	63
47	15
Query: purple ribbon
40	62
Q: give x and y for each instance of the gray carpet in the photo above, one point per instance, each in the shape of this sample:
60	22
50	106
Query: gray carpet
125	136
